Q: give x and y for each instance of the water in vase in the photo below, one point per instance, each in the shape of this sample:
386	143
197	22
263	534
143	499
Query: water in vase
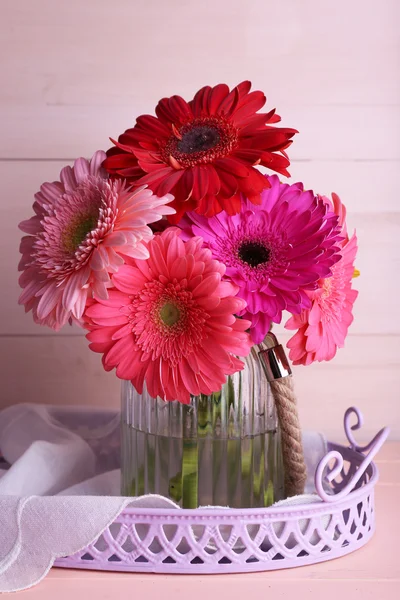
204	471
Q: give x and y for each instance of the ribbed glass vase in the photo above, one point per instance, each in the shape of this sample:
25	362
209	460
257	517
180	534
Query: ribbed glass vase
223	449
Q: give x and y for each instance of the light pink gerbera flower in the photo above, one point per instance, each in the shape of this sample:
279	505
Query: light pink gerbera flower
274	252
170	321
323	328
83	228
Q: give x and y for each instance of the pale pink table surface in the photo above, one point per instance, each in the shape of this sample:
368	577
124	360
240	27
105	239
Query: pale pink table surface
372	572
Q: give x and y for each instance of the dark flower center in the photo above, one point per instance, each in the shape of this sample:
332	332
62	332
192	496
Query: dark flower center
198	139
77	231
254	253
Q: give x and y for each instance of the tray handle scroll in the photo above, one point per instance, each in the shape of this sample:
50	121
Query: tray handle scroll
328	473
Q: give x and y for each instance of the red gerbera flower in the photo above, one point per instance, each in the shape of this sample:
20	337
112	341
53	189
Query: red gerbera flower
204	151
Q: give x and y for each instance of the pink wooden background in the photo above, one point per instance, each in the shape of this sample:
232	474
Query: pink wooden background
74	72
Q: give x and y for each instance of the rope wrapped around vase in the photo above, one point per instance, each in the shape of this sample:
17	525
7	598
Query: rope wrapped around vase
279	375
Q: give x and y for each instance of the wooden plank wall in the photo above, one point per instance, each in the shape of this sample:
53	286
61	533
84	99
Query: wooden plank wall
74	73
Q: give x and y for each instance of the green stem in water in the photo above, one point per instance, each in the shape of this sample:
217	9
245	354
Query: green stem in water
190	474
248	476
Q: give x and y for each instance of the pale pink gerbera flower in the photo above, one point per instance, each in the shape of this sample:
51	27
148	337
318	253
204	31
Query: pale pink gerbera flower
83	228
274	252
323	328
170	321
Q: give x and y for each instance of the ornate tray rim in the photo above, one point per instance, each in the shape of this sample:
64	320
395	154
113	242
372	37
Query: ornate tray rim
346	501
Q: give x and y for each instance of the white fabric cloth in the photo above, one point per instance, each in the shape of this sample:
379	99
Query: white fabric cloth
60	482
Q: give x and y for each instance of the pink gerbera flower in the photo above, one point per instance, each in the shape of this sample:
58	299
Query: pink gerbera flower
83	228
274	252
322	329
170	321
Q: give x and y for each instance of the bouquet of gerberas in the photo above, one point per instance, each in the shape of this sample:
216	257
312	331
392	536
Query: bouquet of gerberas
174	306
177	254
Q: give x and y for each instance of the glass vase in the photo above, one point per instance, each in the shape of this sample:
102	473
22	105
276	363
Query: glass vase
223	449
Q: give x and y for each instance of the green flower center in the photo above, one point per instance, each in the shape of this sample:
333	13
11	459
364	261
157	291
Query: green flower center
170	314
77	231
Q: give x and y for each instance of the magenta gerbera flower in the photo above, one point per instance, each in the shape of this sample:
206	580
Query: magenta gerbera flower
274	252
83	228
170	323
322	328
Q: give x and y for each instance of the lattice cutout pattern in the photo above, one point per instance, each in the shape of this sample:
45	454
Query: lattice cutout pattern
188	542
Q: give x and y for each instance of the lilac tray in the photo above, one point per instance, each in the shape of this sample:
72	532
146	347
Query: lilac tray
340	521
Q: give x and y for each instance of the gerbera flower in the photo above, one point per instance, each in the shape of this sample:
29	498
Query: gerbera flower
170	321
323	327
204	151
274	252
83	228
339	209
